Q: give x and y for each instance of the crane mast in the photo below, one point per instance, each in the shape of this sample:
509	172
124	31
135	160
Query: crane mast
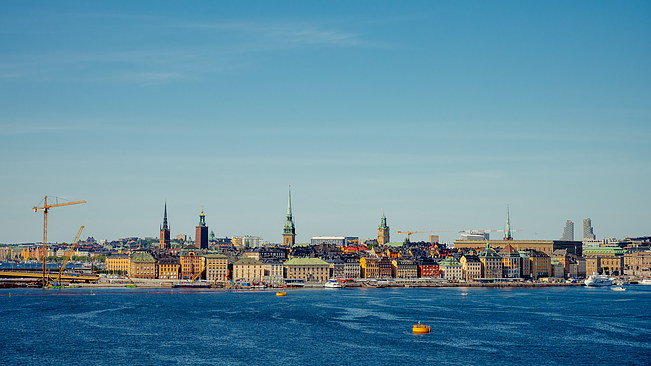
45	209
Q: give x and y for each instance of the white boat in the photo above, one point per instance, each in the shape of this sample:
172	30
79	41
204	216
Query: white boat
646	281
333	284
598	280
618	288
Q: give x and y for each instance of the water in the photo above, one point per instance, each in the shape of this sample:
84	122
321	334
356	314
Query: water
551	326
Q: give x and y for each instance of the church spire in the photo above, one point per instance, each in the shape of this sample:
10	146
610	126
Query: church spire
289	231
507	229
165	226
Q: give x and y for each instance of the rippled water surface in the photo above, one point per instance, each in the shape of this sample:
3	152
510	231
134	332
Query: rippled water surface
579	326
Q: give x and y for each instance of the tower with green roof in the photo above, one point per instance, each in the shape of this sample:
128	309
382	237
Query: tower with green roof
289	231
383	231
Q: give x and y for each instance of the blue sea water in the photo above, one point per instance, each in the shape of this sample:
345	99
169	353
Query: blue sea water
547	326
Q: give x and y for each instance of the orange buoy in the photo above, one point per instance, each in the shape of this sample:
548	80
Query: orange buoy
421	329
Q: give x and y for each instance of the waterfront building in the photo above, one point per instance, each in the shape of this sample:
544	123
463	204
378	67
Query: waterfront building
451	269
558	269
248	270
274	273
216	267
307	269
385	268
404	268
638	263
470	267
169	268
165	238
575	266
428	267
143	265
337	267
491	262
118	263
510	262
192	262
607	260
541	265
369	267
525	264
201	237
588	233
289	231
383	231
568	231
352	268
545	246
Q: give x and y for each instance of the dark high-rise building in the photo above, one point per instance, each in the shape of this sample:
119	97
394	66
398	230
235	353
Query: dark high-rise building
201	237
165	240
568	231
289	231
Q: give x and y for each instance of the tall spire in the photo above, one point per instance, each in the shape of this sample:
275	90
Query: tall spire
289	203
289	231
165	226
507	229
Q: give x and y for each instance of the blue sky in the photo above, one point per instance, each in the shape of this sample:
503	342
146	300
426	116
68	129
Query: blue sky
438	114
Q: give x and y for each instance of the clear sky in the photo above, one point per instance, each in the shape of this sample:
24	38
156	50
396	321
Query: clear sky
437	113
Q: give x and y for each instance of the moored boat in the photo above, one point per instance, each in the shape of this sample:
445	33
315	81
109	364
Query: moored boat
333	284
598	280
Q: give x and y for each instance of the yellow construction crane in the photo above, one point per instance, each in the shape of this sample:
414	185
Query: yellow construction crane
409	232
69	255
200	272
46	207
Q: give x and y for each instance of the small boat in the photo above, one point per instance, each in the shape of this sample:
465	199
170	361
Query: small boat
421	329
464	294
281	293
333	284
618	288
646	281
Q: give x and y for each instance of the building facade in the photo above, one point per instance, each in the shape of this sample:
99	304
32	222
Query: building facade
216	267
169	268
471	267
491	262
248	270
307	269
143	265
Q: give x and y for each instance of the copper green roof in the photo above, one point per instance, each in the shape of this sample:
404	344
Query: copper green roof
306	262
142	257
449	262
603	250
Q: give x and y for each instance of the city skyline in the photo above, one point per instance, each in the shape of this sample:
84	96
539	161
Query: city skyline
437	114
